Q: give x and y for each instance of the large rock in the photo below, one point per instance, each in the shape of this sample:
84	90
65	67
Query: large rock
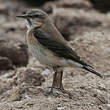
31	77
74	22
16	52
75	17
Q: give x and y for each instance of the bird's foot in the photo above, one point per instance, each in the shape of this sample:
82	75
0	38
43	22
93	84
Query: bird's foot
50	92
61	89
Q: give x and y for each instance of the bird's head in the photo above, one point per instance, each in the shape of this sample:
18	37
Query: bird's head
35	17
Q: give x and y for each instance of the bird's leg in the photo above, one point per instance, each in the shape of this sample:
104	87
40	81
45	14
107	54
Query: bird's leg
57	79
57	82
53	84
54	80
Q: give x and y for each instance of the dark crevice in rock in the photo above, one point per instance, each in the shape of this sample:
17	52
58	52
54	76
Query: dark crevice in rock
101	5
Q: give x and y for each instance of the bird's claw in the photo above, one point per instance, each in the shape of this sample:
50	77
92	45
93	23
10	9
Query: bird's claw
62	90
50	92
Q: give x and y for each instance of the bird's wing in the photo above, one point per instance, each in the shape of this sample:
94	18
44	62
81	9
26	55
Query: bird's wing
57	47
60	49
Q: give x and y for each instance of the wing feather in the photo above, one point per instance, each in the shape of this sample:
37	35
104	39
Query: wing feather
57	47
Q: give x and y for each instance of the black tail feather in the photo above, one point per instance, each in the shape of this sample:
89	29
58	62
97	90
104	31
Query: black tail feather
90	69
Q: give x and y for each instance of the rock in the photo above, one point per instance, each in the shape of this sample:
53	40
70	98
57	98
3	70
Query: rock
3	9
16	52
76	4
102	99
31	78
12	26
74	22
46	72
15	94
60	108
74	17
5	63
4	85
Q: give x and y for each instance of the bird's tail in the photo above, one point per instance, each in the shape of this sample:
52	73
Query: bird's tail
85	66
91	69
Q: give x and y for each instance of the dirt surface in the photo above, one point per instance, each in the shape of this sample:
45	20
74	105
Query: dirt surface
21	76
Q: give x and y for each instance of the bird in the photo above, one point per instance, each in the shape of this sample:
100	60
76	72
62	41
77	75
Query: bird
50	48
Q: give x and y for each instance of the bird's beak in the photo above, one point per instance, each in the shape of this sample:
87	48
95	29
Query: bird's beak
22	16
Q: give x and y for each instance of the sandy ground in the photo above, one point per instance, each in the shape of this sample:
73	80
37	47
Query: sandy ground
20	89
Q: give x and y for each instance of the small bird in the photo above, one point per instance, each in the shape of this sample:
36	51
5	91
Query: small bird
50	48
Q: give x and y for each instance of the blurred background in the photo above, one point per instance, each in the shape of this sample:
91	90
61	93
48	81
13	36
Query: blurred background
85	24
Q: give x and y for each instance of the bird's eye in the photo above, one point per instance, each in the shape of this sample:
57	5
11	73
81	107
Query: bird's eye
34	16
37	15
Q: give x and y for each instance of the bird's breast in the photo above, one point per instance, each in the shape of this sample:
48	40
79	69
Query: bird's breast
30	37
